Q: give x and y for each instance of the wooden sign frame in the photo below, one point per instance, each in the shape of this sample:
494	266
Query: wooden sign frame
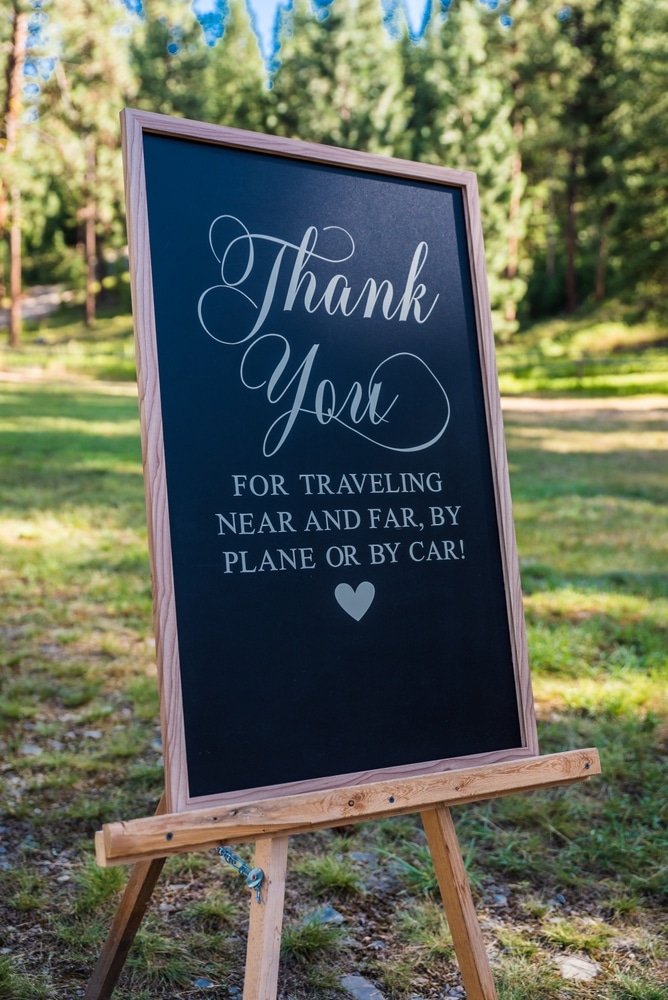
136	126
269	815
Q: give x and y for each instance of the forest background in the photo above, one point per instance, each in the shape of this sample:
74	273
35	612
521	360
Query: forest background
560	109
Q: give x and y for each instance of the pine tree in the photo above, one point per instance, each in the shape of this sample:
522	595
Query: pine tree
339	77
527	53
587	122
91	83
10	191
237	77
461	117
639	248
170	58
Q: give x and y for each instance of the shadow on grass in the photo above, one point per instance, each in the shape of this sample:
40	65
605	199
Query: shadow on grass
59	446
539	577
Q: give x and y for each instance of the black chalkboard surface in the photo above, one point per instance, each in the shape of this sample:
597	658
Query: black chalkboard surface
335	577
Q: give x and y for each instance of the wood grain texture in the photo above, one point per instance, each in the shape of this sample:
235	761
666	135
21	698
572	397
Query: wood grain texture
458	902
497	443
294	148
160	836
153	455
266	919
356	778
123	931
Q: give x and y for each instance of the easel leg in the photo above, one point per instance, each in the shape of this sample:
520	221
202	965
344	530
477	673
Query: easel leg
129	915
266	918
458	902
124	928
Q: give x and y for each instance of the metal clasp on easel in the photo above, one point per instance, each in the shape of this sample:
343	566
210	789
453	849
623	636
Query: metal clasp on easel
254	876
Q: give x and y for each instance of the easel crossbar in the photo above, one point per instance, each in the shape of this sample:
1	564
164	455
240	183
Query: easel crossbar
163	835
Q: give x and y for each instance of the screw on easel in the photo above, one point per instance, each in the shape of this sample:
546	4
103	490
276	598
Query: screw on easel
254	876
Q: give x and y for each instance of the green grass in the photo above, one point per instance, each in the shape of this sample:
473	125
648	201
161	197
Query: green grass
214	912
60	346
605	352
329	875
525	979
582	869
602	353
96	886
14	985
629	987
579	935
309	941
413	865
425	926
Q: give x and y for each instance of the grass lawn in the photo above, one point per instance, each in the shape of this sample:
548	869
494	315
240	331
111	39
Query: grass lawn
580	872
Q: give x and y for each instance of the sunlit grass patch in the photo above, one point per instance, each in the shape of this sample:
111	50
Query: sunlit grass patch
560	649
637	986
577	934
586	355
329	874
213	912
521	978
96	886
592	378
424	926
621	695
585	535
62	346
595	439
601	653
307	942
519	943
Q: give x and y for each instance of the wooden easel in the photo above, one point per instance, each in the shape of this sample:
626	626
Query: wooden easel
146	843
153	147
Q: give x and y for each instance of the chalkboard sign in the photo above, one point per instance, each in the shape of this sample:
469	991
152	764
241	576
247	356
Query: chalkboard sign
335	578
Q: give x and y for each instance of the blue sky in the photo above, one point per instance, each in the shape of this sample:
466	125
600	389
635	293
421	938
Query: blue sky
211	15
265	16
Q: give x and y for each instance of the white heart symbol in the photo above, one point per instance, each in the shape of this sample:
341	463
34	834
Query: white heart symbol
356	603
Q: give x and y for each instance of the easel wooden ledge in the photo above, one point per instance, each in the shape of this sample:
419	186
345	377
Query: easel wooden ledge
146	843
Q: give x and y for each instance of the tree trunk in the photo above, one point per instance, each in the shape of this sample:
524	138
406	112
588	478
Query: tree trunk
601	265
603	250
514	220
15	267
10	194
571	236
551	239
90	242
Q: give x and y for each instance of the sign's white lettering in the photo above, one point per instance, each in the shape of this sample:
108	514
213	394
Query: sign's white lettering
291	382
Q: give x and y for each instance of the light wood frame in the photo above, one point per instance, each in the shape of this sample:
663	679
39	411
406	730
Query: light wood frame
165	834
134	125
147	842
